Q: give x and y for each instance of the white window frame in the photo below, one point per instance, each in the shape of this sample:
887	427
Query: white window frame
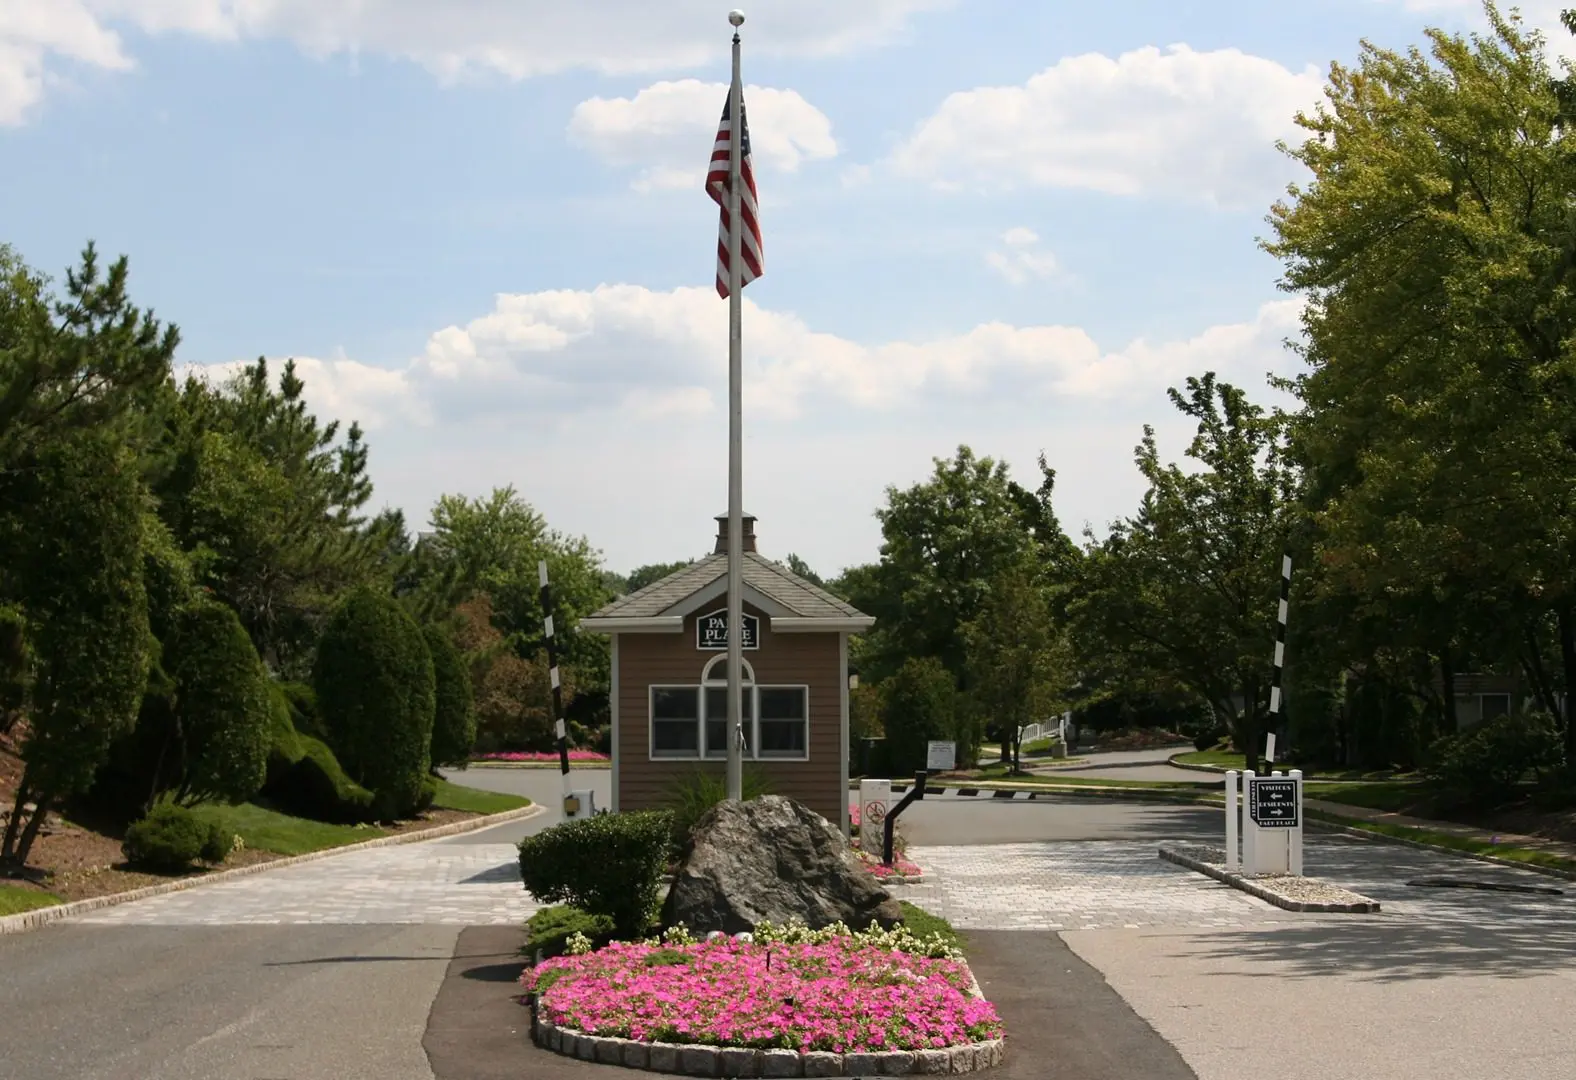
804	694
708	681
651	721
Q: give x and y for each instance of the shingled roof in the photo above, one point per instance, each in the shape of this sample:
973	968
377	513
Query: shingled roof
799	599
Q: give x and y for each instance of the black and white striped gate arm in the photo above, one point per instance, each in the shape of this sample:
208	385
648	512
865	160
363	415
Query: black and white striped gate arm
1280	645
560	729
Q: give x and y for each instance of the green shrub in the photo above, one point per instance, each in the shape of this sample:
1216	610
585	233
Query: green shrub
550	928
168	839
222	704
609	865
304	715
316	787
918	704
454	719
698	791
1486	764
284	744
375	689
217	844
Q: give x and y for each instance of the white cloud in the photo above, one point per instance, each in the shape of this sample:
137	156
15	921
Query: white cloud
1023	258
454	38
666	130
621	346
32	30
605	407
1197	126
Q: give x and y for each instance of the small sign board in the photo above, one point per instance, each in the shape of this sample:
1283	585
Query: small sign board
1272	803
711	631
941	756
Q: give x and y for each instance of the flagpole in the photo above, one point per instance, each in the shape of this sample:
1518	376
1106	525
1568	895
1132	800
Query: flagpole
735	778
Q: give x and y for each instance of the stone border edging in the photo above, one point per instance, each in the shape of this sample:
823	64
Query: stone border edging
1332	822
1195	766
728	1061
1253	888
31	920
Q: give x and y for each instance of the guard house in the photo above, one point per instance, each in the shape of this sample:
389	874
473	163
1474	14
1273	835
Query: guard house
669	696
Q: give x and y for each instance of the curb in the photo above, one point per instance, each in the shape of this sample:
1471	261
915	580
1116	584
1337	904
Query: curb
691	1060
1364	906
1194	766
1333	822
31	920
694	1060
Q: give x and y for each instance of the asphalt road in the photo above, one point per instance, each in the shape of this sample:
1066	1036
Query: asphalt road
219	1003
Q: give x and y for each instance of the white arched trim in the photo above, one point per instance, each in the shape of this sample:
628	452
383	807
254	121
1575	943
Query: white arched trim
707	678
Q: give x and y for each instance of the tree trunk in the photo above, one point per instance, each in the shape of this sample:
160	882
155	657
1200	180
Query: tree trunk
34	823
1537	675
1568	662
1447	678
8	845
1252	729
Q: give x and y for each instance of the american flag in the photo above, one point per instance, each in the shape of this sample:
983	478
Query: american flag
717	188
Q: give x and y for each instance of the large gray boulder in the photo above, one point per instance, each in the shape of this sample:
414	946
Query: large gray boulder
773	860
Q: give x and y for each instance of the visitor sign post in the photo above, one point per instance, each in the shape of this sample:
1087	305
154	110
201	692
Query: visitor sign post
1271	822
875	799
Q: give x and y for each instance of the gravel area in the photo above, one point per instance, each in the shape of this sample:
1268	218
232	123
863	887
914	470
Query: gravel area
1289	891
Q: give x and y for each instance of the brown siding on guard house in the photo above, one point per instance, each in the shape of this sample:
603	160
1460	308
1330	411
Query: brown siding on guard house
809	660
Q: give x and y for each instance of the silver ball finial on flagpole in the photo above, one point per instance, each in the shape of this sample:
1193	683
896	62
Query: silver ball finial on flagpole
736	17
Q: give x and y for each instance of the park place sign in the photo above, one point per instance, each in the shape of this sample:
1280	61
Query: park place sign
711	631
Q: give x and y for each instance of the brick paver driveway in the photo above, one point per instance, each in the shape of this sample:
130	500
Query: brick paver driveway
1101	884
429	883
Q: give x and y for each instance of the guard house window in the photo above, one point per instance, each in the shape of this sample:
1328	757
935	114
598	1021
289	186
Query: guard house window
691	722
785	721
675	721
715	680
1493	706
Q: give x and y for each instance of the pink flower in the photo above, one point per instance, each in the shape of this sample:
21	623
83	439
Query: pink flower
537	755
840	996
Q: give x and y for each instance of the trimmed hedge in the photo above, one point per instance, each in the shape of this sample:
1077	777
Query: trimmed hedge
222	702
376	692
284	743
609	865
170	838
316	787
304	715
454	720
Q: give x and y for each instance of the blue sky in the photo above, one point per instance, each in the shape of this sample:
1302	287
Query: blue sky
479	226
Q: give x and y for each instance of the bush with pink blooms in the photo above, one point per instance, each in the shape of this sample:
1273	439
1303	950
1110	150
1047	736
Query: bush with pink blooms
788	988
544	757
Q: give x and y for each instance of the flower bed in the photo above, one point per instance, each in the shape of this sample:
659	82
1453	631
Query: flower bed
788	1002
901	870
540	756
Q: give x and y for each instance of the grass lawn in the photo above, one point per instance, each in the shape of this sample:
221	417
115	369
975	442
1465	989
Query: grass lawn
1397	796
1458	843
922	922
269	830
1228	759
460	797
14	900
